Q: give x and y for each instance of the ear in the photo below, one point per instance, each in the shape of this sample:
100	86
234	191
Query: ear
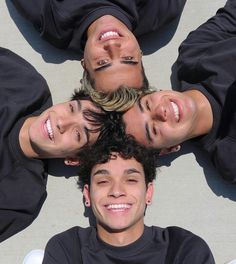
149	193
71	161
83	63
86	194
169	150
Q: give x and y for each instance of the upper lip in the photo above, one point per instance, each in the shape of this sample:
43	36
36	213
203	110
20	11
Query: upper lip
109	34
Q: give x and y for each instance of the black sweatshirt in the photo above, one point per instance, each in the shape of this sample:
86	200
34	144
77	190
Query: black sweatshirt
64	23
206	62
172	245
23	93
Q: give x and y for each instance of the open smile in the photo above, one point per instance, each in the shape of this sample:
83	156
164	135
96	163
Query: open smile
176	111
118	207
111	34
49	129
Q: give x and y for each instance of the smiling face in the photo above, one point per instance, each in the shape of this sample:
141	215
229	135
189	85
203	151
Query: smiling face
61	130
118	195
162	119
112	55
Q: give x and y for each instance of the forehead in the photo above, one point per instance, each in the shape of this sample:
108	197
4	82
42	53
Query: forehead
116	75
117	166
135	123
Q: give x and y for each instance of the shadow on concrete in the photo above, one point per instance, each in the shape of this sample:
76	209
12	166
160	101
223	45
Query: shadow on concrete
155	40
49	53
57	168
219	186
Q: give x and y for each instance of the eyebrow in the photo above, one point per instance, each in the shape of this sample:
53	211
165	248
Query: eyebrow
102	171
147	130
110	64
131	170
78	105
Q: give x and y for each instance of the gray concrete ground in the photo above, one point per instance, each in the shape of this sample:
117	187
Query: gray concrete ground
189	192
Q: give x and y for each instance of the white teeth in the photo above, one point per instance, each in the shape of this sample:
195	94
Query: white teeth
176	110
49	129
118	206
109	34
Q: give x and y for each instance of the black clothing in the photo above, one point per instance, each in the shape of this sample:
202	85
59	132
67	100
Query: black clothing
171	245
23	93
64	23
206	62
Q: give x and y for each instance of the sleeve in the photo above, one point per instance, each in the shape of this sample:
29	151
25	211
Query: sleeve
64	248
225	152
22	85
55	253
185	247
195	251
208	53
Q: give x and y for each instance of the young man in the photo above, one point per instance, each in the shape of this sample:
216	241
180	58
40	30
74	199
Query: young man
117	181
105	31
33	130
204	108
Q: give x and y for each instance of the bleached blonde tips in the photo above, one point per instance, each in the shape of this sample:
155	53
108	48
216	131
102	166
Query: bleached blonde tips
119	100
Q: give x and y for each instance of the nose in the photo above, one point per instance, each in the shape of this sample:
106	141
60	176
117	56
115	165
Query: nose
116	190
113	47
160	113
63	124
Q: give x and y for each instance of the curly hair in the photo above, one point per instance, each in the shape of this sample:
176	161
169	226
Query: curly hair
126	148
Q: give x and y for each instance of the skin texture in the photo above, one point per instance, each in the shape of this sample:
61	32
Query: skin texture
68	127
154	122
114	55
118	181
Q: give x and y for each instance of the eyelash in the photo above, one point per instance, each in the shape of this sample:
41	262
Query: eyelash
102	62
148	107
128	58
78	135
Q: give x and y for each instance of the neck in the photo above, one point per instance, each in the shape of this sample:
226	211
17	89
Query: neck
204	117
121	237
25	140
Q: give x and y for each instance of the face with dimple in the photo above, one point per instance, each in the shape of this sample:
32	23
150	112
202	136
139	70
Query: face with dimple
162	119
61	130
118	195
112	55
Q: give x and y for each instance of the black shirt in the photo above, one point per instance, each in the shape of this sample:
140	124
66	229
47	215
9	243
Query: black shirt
23	93
64	23
206	62
171	245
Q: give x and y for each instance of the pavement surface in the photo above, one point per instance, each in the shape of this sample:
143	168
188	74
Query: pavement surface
188	191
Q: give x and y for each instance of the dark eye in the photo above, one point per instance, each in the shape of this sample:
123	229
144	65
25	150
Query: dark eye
71	108
148	106
102	62
154	130
101	182
132	180
128	58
